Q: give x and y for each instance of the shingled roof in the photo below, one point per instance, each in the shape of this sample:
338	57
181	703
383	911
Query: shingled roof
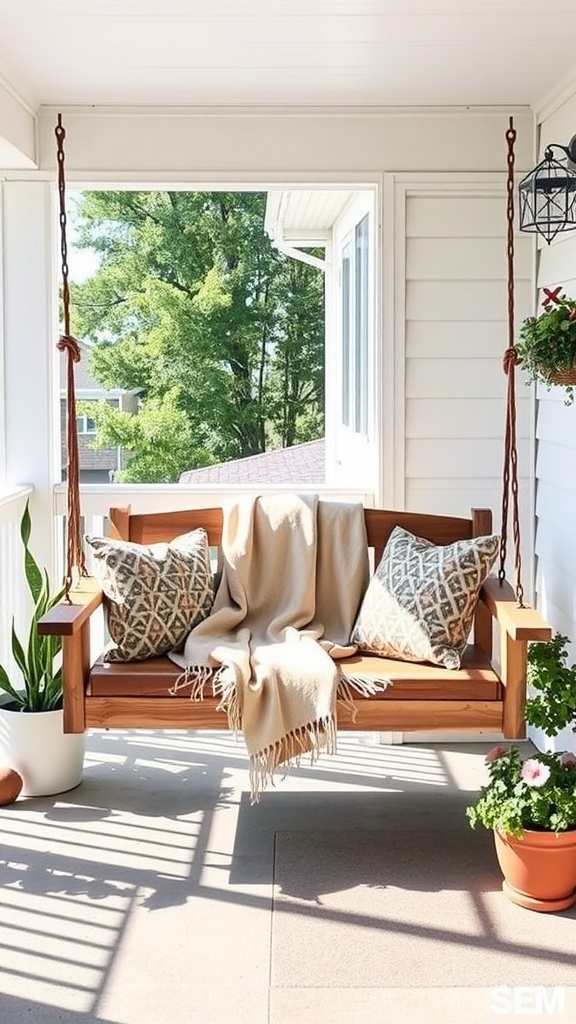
300	464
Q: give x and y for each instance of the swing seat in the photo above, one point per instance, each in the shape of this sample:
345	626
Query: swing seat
487	693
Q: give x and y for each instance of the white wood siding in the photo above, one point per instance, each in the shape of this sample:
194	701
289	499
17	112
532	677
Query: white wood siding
455	335
556	436
556	444
556	511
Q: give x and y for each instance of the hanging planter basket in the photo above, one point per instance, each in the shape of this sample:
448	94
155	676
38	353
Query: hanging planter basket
547	344
564	377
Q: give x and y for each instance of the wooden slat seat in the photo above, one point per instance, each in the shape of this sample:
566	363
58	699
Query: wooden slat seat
486	693
474	681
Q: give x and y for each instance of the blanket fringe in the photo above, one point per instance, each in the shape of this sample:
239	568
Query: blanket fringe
225	688
362	686
345	698
196	677
313	738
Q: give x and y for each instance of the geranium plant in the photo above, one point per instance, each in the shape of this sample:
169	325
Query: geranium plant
537	793
547	343
540	791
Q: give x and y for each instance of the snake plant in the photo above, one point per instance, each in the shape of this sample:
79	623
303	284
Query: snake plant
38	657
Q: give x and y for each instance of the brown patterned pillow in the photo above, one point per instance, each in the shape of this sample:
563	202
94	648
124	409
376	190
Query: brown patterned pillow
420	603
154	594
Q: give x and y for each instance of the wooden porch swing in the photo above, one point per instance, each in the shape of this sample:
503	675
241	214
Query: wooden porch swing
487	694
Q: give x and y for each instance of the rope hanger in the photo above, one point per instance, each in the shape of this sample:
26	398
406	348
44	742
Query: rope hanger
68	344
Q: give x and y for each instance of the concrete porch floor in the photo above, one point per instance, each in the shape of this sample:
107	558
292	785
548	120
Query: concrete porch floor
145	896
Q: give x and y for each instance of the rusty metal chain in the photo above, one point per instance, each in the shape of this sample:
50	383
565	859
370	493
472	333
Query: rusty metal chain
60	133
68	344
510	471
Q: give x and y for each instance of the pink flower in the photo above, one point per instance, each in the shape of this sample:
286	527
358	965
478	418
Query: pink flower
495	753
534	773
568	760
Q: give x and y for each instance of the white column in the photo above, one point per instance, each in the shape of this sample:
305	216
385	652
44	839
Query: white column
30	333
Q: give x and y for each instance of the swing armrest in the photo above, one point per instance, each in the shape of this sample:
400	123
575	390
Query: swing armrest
71	621
519	623
66	619
518	626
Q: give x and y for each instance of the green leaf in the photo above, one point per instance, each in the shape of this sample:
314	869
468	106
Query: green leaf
26	525
33	575
6	685
18	653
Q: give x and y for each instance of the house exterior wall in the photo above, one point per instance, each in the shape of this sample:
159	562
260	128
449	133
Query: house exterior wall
352	456
165	144
556	439
97	465
455	333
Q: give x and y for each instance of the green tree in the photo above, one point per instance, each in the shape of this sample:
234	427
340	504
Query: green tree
220	334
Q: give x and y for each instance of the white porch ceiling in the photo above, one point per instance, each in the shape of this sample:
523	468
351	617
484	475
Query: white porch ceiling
286	52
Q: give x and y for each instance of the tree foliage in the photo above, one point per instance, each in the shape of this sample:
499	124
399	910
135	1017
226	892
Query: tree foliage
220	334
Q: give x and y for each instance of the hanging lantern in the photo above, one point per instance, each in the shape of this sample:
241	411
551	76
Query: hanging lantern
547	196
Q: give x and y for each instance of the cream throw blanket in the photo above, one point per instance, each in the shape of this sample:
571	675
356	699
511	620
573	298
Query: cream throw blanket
294	573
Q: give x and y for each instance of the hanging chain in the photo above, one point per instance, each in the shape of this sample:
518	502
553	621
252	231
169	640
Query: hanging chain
60	133
510	472
68	344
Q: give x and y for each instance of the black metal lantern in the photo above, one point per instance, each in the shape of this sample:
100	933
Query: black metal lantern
548	194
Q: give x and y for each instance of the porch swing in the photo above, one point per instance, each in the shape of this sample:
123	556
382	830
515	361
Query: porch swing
485	694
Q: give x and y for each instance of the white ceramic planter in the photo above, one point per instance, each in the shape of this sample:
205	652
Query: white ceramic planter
49	760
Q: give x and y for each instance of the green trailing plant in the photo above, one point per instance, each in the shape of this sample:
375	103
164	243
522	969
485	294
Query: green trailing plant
538	792
38	657
547	343
551	705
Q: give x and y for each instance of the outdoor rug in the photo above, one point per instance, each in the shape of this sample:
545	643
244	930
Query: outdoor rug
417	903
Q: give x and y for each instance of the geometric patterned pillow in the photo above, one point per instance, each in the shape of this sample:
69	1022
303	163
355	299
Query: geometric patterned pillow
154	594
420	603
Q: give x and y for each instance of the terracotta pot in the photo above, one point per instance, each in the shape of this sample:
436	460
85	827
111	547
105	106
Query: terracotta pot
539	869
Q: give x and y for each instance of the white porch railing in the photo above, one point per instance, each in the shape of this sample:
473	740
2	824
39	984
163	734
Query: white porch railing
96	499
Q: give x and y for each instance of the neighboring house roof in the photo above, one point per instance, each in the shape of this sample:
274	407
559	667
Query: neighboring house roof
300	464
